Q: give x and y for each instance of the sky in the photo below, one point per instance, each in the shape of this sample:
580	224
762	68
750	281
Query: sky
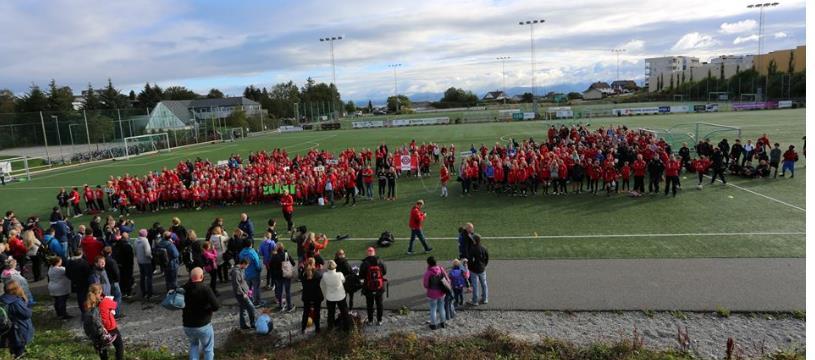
229	45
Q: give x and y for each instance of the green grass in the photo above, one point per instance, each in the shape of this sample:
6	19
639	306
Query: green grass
560	221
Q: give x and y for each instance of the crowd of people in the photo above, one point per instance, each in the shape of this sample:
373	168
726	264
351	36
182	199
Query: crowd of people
98	263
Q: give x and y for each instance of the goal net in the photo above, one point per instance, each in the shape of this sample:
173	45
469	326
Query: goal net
716	132
142	144
234	134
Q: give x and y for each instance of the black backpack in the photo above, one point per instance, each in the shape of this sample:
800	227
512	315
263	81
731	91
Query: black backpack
5	322
161	257
385	240
187	255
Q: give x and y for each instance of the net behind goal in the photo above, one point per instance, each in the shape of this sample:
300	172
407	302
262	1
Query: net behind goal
143	144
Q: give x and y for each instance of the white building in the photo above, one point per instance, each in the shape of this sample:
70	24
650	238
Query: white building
656	66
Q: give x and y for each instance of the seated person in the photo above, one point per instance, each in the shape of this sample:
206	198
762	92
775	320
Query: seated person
763	169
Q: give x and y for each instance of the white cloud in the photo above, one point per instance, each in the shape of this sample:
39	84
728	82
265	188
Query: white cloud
744	39
780	35
633	45
694	40
737	27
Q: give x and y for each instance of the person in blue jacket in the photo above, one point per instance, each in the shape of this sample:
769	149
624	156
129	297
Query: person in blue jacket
54	244
266	248
19	314
247	226
253	271
171	271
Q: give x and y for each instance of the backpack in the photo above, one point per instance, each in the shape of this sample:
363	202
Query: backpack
187	256
374	281
440	282
385	240
92	325
457	278
174	299
287	268
161	257
5	322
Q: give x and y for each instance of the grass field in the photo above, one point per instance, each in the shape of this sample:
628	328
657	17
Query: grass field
754	218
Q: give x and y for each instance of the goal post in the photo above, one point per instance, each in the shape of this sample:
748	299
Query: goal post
234	134
146	144
707	130
16	168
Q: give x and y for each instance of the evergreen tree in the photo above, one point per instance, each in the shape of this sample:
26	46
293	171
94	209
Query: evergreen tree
370	106
215	94
60	98
91	101
7	100
112	99
132	95
150	96
34	100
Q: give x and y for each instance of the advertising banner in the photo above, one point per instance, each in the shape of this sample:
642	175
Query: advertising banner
367	124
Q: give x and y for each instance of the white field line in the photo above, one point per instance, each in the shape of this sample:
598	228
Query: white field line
764	196
594	236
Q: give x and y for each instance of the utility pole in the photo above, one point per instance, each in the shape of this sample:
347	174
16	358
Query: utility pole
395	88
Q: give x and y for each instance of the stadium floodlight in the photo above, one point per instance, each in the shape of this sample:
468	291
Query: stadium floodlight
395	88
618	52
756	61
532	24
330	40
503	60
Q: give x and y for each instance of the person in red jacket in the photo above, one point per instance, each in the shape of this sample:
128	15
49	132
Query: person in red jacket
91	248
99	194
16	247
639	175
107	312
90	198
790	157
416	223
444	177
625	175
287	205
74	199
700	166
672	167
368	180
610	179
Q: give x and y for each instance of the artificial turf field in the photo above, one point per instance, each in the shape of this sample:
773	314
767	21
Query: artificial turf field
759	218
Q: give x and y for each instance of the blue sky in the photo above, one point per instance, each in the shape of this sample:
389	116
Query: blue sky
229	45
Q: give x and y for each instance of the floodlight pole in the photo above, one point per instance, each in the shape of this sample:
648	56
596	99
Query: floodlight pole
330	40
503	60
395	88
532	24
617	52
757	63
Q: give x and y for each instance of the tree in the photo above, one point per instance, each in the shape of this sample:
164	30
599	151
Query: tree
132	96
772	67
370	106
350	107
112	99
215	94
60	98
574	95
179	93
89	99
282	100
34	100
404	104
100	127
6	101
527	97
237	119
683	78
150	96
454	97
253	93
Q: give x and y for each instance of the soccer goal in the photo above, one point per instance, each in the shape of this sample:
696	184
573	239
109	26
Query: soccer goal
716	132
234	134
144	144
16	168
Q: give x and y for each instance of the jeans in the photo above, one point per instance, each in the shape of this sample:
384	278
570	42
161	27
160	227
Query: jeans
254	284
116	292
458	296
146	279
476	280
171	277
450	306
414	233
369	190
281	285
788	165
436	306
60	305
201	339
245	308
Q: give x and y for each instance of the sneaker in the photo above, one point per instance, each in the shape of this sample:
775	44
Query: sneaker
291	309
472	303
484	302
428	250
441	325
410	252
379	323
432	327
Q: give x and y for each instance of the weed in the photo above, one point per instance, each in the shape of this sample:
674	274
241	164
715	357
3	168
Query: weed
678	314
722	311
799	315
649	313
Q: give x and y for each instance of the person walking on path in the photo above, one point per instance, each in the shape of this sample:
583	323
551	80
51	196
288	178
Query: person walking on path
242	294
373	271
433	281
477	262
416	223
332	286
200	303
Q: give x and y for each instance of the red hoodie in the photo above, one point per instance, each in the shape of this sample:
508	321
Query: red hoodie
416	218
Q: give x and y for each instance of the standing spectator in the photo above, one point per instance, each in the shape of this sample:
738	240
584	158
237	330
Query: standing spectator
10	273
790	158
114	275
99	275
200	303
59	287
97	301
63	200
171	268
655	170
218	241
775	158
382	181
240	289
477	265
373	271
266	248
444	178
312	296
344	268
390	176
287	206
465	238
416	223
210	257
144	257
123	253
78	271
252	271
54	244
282	281
91	246
332	286
433	283
19	315
717	164
247	226
724	146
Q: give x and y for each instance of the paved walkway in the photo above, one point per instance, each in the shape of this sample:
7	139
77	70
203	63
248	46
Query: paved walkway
585	285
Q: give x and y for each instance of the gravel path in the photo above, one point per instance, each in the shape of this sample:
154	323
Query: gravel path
150	324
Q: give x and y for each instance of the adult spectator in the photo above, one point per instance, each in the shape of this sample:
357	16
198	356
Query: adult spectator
199	304
59	287
344	268
247	226
253	271
19	315
775	158
123	253
312	296
172	255
144	258
217	240
91	246
790	158
287	206
78	271
477	261
724	146
390	176
266	248
114	275
240	288
416	223
332	286
282	282
655	170
749	151
433	283
62	200
10	273
99	275
54	244
465	238
373	271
